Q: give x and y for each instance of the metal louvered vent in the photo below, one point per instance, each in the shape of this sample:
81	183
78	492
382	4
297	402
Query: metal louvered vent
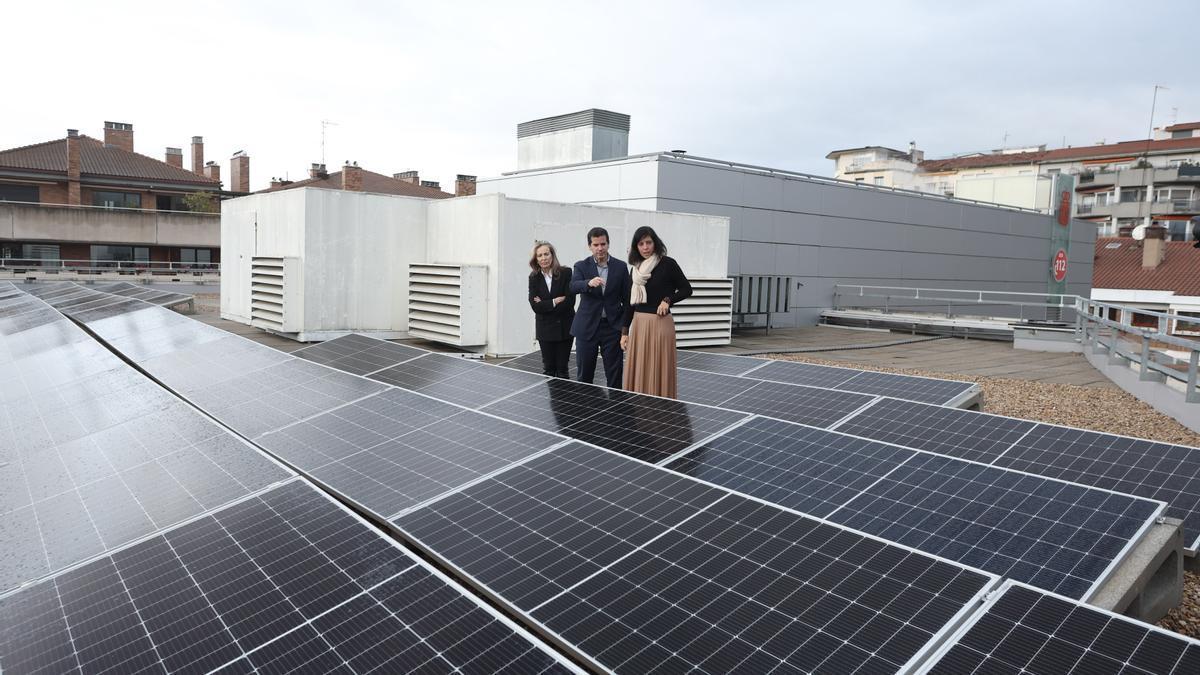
448	303
703	320
275	303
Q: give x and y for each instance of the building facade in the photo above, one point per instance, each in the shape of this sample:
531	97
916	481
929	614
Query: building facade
78	199
1151	274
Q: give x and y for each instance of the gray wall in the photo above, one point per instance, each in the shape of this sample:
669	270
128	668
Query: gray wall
824	234
96	225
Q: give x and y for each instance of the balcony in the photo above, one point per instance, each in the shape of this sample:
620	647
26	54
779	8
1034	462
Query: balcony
1176	206
22	221
1137	177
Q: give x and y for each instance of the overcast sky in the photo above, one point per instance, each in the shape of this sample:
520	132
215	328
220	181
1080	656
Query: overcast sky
441	86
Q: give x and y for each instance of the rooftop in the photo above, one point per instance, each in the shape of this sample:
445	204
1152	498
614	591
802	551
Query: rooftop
97	160
371	182
1119	265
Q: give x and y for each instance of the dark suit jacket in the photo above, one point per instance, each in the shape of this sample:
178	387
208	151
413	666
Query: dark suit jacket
552	323
611	298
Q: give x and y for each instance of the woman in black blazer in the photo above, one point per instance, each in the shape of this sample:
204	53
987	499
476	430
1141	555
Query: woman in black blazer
553	308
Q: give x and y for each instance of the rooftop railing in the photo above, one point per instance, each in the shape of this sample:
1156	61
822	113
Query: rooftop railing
51	266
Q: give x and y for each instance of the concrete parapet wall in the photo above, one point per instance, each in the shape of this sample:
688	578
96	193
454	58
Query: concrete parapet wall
44	222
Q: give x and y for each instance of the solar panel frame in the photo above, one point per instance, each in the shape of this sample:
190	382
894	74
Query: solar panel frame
1108	651
359	354
987	581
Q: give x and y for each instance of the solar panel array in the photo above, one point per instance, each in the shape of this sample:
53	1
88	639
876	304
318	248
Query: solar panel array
140	292
623	564
1023	630
1058	536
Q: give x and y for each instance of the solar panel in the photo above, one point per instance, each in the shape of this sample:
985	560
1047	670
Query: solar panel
710	388
810	374
640	426
909	387
358	354
1059	536
948	431
807	405
153	296
1023	630
284	580
724	364
456	380
391	451
639	569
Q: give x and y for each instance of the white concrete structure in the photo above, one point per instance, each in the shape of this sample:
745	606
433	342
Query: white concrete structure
584	136
354	251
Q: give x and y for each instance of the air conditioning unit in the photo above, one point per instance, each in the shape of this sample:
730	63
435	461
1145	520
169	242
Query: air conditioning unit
448	303
276	294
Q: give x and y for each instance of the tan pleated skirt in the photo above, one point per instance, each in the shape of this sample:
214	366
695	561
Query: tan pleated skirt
650	356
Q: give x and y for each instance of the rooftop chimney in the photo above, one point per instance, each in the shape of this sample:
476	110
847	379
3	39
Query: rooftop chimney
275	182
585	136
212	170
174	157
119	135
239	172
914	155
431	184
464	185
73	166
1154	247
317	171
408	177
352	177
198	154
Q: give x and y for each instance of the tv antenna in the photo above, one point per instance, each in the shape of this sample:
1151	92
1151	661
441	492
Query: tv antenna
324	124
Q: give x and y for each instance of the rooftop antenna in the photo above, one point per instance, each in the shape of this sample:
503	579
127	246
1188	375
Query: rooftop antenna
1004	143
324	124
1145	161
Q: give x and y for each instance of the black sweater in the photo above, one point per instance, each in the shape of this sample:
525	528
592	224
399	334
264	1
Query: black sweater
666	281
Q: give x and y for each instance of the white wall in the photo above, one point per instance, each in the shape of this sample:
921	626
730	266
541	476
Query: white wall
571	146
631	183
272	223
1028	191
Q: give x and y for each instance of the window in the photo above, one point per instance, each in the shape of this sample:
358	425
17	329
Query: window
1188	327
1133	195
119	200
879	180
860	180
1143	320
170	203
1025	172
1053	172
1172	194
121	253
195	255
1104	198
18	193
45	252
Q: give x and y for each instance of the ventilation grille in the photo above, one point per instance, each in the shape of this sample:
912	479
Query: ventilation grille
448	303
273	283
703	320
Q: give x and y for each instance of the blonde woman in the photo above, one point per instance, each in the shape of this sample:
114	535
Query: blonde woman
648	335
553	308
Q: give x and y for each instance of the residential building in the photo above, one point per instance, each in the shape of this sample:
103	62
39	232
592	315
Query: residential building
357	179
1118	185
78	198
1152	274
820	233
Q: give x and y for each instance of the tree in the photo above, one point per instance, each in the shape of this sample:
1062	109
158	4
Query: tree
201	202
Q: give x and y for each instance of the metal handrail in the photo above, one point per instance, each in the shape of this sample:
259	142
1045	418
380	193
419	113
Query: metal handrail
135	266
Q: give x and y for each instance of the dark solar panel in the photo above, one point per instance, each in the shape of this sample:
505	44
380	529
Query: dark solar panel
958	433
806	405
641	569
710	388
425	371
532	363
908	387
1170	473
391	451
283	581
1022	630
724	364
794	372
358	354
645	427
1059	536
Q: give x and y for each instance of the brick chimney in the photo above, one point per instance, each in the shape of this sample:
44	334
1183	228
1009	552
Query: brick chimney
73	167
408	177
1154	247
212	170
119	135
198	154
174	157
464	185
352	177
317	171
275	182
431	184
239	172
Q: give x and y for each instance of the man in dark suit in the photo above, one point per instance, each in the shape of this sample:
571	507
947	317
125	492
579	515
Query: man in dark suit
602	284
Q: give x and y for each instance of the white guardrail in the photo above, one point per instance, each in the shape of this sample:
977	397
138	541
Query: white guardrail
1146	349
17	267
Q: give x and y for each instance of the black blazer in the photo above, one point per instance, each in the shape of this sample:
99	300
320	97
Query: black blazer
609	300
552	323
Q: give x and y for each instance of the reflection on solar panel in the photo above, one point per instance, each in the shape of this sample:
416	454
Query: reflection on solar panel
1022	630
710	388
456	380
358	354
644	427
143	293
640	569
396	449
807	405
1058	536
285	580
909	387
532	363
724	364
1160	471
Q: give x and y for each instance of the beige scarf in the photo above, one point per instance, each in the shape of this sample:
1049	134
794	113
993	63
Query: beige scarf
641	274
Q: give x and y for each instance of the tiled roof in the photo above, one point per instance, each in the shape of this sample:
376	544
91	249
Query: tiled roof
372	182
98	160
1185	126
1123	149
1121	267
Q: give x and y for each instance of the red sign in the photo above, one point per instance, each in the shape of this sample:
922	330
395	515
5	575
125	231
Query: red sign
1059	265
1064	208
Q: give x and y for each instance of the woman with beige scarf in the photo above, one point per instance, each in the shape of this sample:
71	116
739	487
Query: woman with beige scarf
648	332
